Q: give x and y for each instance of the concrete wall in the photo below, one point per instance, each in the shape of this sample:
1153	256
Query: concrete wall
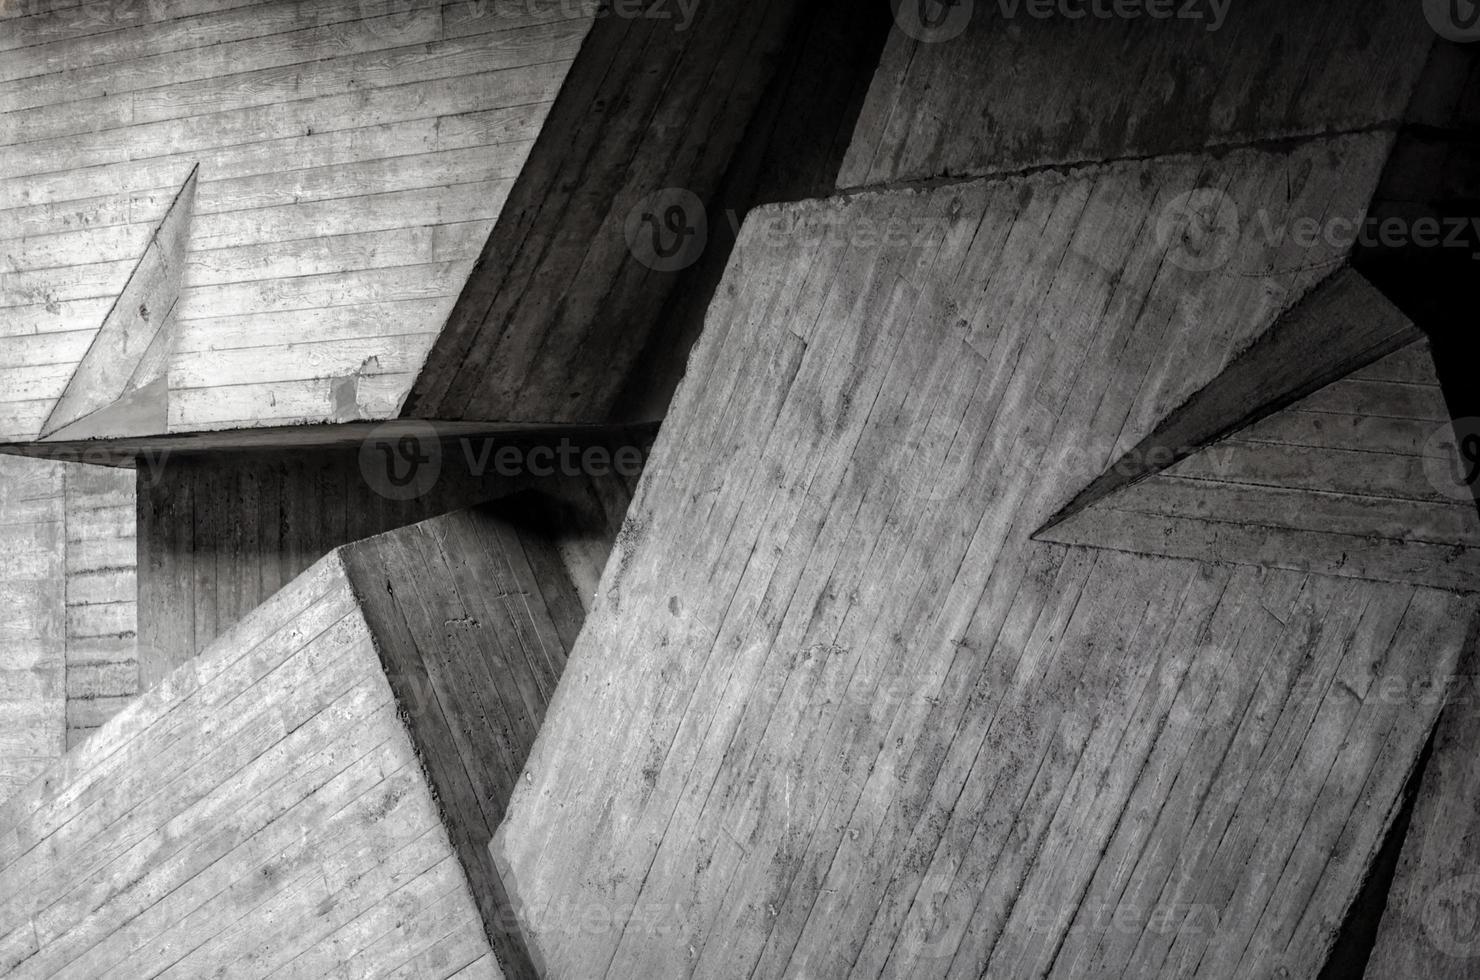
67	640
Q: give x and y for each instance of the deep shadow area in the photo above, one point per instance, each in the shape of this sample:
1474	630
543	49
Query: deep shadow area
1358	934
793	151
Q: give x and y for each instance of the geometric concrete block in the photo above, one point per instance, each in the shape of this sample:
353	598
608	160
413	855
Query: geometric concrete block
837	713
312	795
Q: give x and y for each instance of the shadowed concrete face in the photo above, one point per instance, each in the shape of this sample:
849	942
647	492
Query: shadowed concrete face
993	86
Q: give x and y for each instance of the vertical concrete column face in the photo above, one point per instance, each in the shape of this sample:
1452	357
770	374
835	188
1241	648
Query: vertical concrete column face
33	636
67	581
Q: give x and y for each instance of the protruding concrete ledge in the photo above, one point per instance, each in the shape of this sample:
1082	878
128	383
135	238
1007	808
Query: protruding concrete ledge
219	533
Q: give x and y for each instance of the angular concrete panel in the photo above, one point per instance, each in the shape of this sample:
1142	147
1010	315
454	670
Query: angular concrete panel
837	714
313	795
974	87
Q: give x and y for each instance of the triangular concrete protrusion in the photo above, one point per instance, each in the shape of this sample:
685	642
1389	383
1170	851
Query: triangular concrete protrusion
131	350
1361	479
140	410
1341	325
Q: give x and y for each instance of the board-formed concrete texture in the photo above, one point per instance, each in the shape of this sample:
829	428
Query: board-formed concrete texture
33	633
1058	559
611	207
1211	74
219	534
284	206
1363	479
349	159
67	585
1340	325
313	795
974	88
1428	924
836	712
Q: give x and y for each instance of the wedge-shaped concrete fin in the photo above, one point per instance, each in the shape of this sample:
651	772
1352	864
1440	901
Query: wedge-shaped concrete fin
314	793
1361	479
130	351
137	411
1341	325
